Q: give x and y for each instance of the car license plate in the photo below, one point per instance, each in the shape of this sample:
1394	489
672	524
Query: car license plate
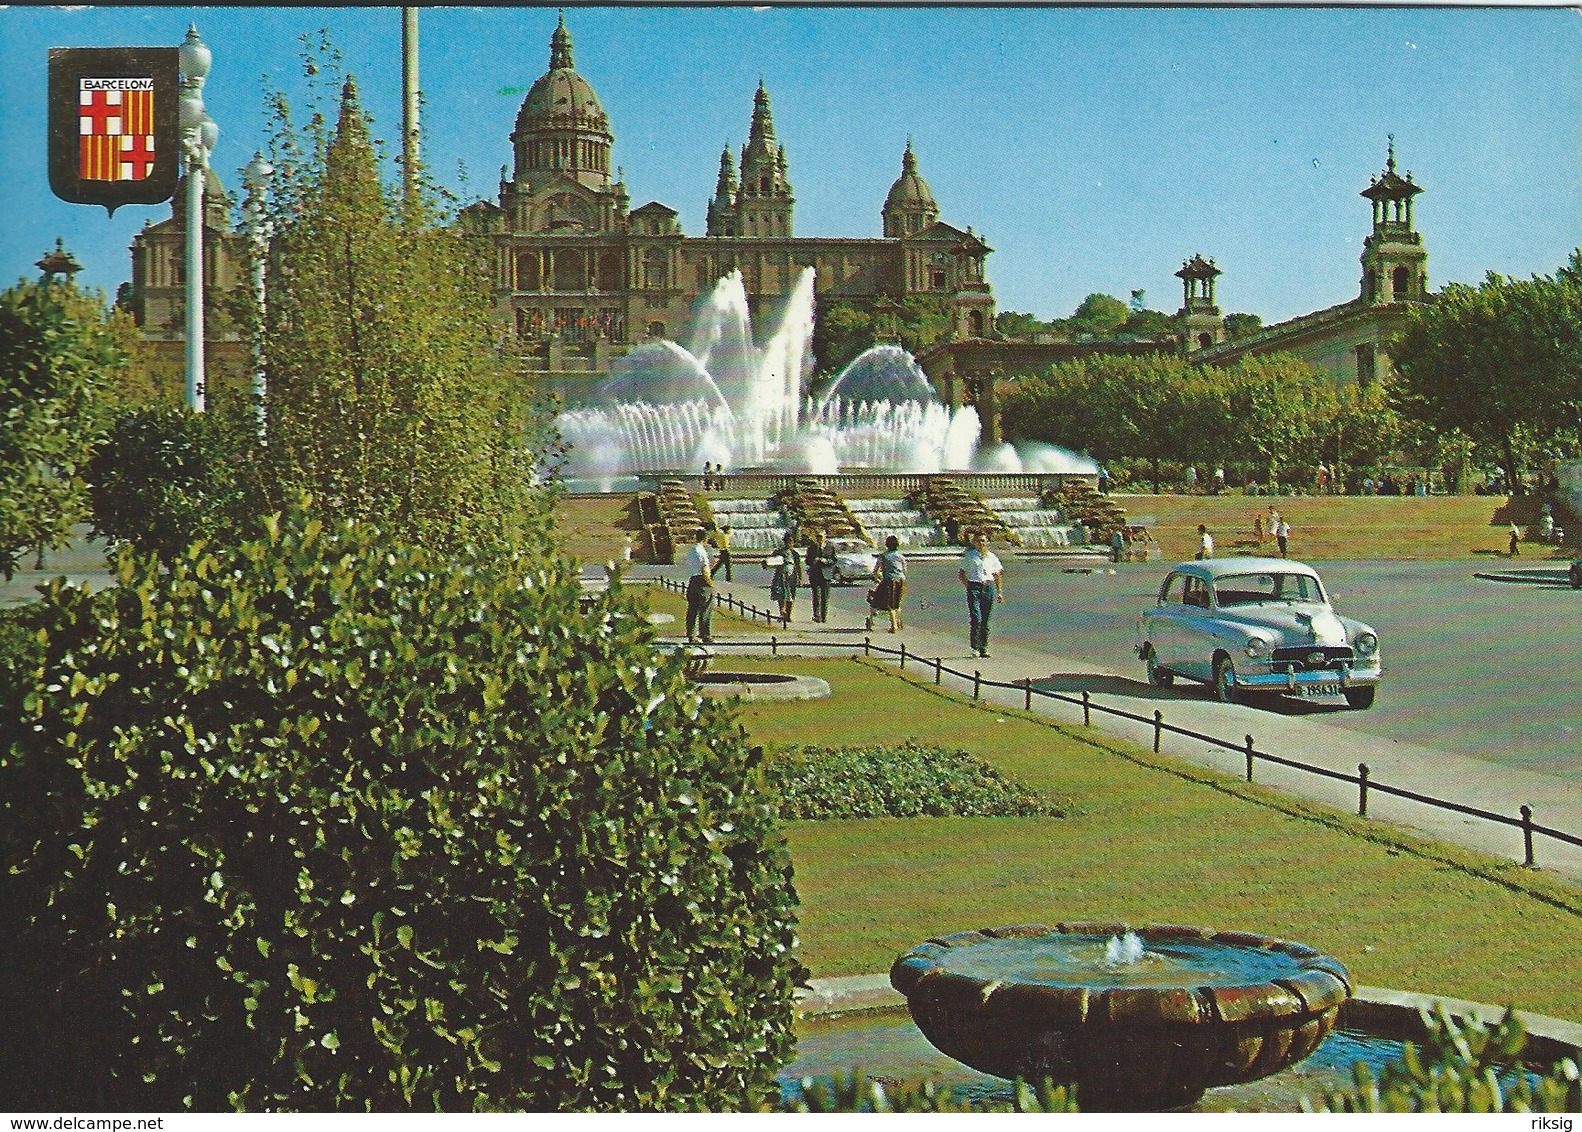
1313	691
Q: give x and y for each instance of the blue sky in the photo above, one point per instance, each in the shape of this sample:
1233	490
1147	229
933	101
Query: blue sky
1095	149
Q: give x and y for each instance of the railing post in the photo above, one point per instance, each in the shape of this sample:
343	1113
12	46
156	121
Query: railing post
1527	832
1249	758
1362	790
1087	709
774	645
977	682
867	646
939	669
1159	728
1027	694
903	656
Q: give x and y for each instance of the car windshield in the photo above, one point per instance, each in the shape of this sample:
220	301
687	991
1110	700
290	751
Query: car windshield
1250	589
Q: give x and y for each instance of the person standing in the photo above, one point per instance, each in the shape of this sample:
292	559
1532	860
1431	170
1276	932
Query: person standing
889	570
787	578
820	573
1205	542
700	590
722	541
982	575
1516	534
1282	534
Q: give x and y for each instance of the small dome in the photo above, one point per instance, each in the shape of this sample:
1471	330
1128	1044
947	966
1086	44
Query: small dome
910	190
561	99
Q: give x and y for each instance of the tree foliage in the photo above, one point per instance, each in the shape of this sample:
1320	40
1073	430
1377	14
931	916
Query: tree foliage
1267	417
388	396
56	350
1500	363
322	821
164	477
1100	315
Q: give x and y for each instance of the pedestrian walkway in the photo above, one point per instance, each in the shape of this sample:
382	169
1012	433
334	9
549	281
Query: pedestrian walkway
1450	777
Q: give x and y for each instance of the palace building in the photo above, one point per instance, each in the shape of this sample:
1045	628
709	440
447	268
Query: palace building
580	276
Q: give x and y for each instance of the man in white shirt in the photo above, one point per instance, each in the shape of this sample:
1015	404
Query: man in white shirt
1205	542
981	573
700	589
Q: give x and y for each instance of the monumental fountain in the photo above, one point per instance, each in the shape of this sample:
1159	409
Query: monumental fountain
1140	1019
721	397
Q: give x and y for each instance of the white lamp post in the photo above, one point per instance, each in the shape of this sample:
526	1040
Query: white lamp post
256	177
198	135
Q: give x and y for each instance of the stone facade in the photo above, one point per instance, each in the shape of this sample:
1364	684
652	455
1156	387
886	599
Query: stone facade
581	277
157	298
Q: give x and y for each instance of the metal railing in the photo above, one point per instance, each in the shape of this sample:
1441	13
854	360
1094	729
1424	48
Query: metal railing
1363	779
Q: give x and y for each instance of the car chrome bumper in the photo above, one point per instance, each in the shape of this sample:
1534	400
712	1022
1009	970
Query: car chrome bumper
1291	681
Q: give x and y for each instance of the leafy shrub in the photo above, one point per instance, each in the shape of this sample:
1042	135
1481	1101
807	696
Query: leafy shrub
164	477
326	822
909	781
1461	1067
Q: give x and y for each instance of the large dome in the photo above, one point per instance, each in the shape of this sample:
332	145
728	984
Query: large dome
910	190
561	99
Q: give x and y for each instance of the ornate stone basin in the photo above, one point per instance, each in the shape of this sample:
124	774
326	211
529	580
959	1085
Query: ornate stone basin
1194	1010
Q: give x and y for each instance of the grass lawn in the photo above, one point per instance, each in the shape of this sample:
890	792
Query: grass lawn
592	528
1148	840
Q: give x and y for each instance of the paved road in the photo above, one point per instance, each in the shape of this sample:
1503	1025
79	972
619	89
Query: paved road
1487	669
1071	632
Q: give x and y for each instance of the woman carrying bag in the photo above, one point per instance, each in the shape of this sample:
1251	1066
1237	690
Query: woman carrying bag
890	572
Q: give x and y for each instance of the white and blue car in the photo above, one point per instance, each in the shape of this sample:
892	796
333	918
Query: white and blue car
1246	626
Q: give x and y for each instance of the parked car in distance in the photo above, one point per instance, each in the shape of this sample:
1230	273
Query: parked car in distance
1256	625
854	560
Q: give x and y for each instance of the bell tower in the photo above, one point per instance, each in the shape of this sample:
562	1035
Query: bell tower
763	197
1201	321
1394	261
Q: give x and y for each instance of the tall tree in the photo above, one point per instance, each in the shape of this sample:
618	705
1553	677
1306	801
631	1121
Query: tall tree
1501	362
388	397
56	350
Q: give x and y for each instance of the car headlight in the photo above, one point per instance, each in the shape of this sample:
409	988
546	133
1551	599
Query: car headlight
1367	644
1256	647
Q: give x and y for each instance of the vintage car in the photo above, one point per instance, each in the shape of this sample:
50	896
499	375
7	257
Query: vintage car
854	560
1251	625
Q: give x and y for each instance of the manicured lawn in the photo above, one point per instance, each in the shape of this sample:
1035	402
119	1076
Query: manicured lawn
1148	840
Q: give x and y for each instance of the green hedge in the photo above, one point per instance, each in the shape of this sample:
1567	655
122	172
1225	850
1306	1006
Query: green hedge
163	477
324	822
908	781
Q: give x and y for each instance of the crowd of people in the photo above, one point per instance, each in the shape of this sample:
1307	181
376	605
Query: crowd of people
813	565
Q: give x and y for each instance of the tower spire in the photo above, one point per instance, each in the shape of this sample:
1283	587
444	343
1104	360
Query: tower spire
560	47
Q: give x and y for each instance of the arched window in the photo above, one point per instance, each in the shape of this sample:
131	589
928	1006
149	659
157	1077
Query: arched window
1401	281
1205	340
975	323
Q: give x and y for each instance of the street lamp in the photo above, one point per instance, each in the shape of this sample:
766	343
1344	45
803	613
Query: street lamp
198	135
256	177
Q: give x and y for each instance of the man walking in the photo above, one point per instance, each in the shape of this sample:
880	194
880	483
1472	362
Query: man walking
1205	542
722	540
981	574
700	590
820	573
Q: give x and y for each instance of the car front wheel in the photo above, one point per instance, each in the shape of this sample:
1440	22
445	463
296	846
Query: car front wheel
1158	677
1575	575
1225	690
1361	698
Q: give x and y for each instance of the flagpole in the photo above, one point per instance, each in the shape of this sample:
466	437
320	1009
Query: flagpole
409	101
